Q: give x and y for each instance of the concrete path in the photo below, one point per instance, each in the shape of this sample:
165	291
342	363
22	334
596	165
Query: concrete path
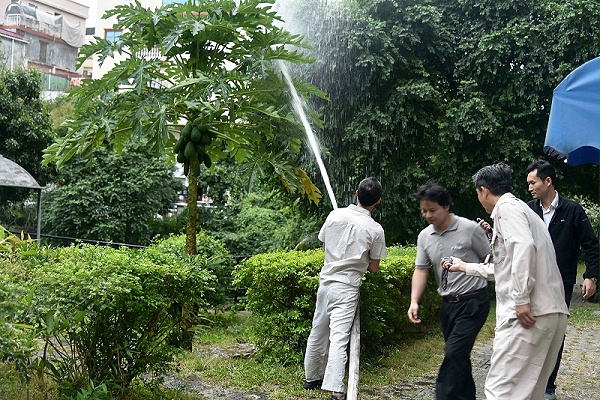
578	375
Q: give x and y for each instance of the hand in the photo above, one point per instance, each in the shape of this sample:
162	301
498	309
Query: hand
413	313
588	289
525	316
485	226
457	265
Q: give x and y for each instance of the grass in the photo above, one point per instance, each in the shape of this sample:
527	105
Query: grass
216	360
419	354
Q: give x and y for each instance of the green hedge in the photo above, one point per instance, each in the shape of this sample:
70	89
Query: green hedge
107	315
282	291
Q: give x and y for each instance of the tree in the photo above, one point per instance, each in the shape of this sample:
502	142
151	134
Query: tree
255	217
438	89
386	73
114	203
25	128
215	70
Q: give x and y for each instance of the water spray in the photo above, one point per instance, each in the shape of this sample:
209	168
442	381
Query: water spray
299	110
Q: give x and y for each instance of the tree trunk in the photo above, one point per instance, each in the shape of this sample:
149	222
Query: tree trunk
192	205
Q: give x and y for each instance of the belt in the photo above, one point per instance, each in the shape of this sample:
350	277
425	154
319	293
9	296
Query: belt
455	298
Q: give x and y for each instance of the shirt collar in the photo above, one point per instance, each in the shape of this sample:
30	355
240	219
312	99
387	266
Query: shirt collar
354	207
452	226
554	203
505	196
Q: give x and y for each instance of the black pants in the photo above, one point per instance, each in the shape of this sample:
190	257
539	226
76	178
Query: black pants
461	322
551	385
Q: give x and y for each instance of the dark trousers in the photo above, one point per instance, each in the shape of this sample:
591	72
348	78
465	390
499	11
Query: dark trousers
461	322
551	385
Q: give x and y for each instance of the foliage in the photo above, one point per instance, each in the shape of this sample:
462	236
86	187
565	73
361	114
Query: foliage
215	68
281	294
60	109
212	254
16	338
17	342
438	89
12	245
25	130
107	315
116	202
25	126
261	221
248	214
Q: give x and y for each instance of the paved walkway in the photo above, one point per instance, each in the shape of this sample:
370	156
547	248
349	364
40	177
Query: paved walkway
578	375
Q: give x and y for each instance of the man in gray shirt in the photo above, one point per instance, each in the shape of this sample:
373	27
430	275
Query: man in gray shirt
466	302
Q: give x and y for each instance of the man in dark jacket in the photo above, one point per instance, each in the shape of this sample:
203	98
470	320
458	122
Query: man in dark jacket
570	230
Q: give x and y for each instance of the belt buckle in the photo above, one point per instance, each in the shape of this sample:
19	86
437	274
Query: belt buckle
453	298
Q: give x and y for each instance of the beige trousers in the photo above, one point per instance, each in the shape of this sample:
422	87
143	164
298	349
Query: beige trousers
523	359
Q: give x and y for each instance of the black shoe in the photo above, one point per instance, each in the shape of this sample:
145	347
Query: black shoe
311	385
338	396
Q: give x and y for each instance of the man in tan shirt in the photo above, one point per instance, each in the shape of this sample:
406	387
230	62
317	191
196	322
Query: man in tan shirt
531	314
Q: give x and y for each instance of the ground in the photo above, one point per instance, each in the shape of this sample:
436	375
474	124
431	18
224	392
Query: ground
577	378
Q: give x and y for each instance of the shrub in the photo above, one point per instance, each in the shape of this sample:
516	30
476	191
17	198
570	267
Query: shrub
211	254
108	315
282	291
16	338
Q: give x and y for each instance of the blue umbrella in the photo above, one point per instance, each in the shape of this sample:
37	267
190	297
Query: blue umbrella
573	125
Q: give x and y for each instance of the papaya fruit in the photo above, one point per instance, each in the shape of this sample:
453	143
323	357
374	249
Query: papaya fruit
189	150
207	160
205	139
178	145
196	135
181	158
186	169
199	148
186	131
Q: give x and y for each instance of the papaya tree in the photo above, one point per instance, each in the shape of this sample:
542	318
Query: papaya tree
198	83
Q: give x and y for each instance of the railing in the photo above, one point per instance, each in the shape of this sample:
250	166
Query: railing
32	23
53	82
149	53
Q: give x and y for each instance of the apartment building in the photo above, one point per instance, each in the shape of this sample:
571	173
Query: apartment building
97	26
45	35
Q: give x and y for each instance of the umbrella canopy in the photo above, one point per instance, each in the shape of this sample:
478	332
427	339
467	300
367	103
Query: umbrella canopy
12	174
573	125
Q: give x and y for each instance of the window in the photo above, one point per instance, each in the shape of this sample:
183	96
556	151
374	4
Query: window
112	35
172	1
43	58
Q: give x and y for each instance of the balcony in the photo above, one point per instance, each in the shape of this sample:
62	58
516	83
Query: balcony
27	21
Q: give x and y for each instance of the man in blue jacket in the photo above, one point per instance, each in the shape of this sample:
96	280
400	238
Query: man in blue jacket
570	230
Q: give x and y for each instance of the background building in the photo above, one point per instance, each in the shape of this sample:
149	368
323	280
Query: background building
97	26
45	35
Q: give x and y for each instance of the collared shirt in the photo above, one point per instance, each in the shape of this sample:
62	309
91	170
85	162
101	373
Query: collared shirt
524	267
352	238
462	238
548	213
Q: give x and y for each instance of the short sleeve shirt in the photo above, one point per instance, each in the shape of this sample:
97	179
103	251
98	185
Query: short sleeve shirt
351	238
463	239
